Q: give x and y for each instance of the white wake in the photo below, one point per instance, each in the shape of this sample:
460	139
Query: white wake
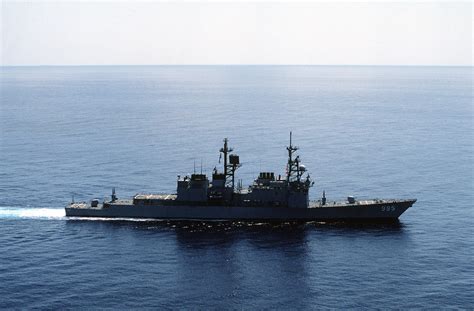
31	213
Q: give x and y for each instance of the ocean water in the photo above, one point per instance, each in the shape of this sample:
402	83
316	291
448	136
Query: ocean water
384	132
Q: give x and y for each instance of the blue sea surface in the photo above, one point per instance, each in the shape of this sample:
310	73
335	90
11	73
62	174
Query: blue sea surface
371	132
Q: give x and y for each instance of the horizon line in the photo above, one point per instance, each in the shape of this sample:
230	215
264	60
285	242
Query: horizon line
289	65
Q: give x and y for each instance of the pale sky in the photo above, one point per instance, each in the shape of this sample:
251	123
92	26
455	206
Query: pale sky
226	32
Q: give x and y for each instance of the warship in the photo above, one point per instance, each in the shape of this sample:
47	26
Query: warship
269	198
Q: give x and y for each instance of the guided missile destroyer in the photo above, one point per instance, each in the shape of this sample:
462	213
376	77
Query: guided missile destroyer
270	198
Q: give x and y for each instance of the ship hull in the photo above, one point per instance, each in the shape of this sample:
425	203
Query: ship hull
385	211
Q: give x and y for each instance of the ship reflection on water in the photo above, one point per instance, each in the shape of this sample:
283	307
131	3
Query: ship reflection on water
195	229
238	262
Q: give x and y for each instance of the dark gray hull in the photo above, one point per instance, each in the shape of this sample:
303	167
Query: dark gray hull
381	210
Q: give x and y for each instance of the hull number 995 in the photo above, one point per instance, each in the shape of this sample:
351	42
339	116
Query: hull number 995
388	208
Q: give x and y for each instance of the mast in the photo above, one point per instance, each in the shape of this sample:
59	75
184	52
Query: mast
229	168
225	150
113	196
291	163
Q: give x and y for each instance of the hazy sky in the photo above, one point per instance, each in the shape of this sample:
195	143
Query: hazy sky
125	32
